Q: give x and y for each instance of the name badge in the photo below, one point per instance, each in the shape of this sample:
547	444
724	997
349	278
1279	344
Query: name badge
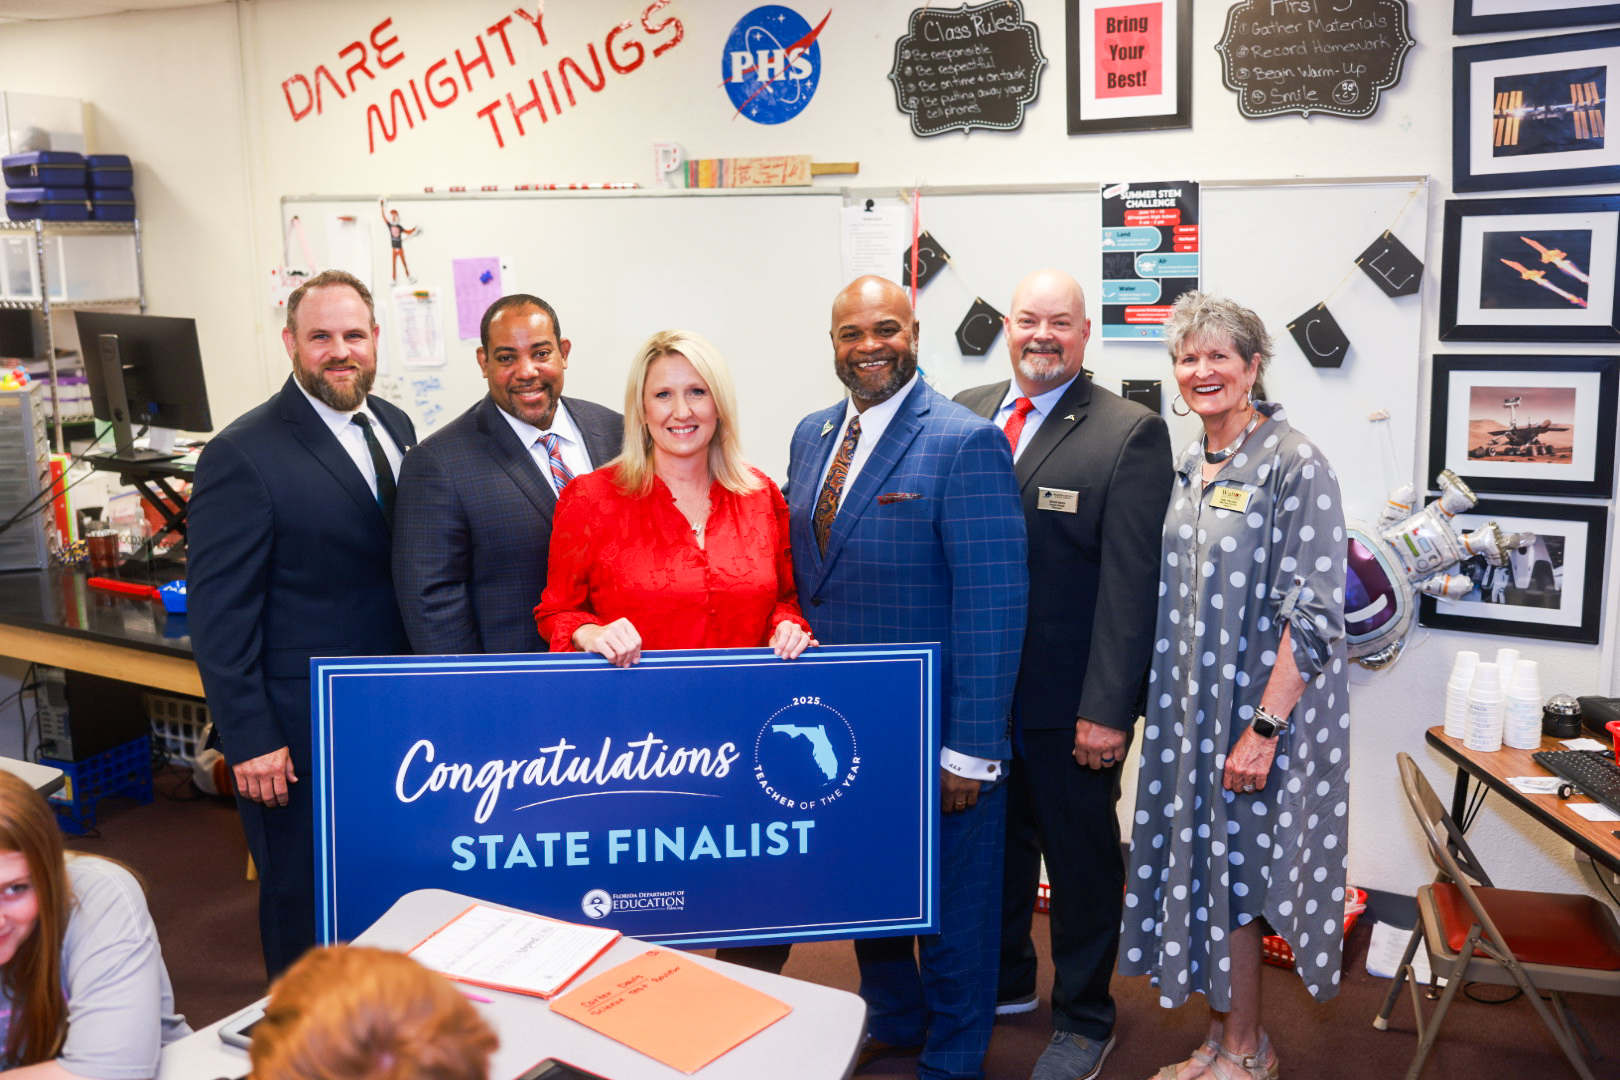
1226	497
1064	502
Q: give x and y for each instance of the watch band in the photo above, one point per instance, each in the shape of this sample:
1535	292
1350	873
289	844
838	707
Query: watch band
1267	725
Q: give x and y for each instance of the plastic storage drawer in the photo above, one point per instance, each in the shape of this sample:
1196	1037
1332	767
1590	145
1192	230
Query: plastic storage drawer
44	168
48	204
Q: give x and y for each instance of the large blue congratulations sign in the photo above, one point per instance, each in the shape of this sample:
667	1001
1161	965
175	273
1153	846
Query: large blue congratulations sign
700	797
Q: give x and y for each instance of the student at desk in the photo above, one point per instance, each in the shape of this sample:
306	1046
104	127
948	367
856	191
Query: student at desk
83	989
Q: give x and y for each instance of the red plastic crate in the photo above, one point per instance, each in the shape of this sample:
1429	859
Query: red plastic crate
1275	951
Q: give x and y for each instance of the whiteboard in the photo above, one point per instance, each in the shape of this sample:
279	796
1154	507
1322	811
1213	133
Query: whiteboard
756	273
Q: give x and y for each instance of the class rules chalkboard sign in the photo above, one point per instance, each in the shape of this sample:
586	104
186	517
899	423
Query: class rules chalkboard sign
1313	56
973	66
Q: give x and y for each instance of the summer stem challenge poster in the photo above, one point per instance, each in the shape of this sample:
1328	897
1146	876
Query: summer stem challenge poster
1150	255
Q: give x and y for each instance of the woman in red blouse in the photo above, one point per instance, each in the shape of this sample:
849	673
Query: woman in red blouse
677	543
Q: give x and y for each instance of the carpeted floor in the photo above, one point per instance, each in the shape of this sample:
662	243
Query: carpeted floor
193	858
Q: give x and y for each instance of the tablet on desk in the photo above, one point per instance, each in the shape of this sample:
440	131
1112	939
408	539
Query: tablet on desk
238	1030
552	1069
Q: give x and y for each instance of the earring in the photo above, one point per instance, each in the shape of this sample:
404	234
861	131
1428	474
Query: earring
1185	410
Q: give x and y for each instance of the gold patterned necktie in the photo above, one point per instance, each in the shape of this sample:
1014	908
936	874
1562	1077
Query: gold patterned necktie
827	501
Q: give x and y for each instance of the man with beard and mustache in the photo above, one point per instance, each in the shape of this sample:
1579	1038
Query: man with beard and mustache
906	527
287	553
476	498
1094	472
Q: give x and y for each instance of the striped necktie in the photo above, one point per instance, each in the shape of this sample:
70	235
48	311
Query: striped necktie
560	472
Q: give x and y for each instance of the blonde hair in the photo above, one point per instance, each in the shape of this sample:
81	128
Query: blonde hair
33	976
368	1014
634	465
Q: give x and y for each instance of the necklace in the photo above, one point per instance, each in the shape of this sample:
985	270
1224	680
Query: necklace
1215	457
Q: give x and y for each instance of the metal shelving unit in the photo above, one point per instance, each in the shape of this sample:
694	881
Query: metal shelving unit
40	231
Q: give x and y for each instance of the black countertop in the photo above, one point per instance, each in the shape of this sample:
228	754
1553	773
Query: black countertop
58	601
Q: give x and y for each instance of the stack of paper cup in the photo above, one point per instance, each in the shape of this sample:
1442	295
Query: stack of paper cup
1485	710
1462	677
1505	659
1521	724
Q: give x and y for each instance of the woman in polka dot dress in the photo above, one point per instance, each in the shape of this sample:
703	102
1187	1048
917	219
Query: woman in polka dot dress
1241	799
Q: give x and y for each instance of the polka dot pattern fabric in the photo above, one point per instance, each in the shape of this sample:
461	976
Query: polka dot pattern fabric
1238	566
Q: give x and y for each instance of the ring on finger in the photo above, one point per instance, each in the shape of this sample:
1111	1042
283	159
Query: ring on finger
1248	788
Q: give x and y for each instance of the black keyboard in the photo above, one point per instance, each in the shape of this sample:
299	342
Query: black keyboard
1592	771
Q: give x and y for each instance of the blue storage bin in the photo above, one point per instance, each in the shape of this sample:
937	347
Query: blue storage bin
109	171
44	168
112	204
48	204
123	770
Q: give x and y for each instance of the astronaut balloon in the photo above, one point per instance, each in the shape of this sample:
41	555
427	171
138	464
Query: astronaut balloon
1408	553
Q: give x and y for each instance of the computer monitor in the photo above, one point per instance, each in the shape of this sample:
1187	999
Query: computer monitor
143	370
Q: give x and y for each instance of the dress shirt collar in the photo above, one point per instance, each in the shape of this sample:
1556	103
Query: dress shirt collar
562	426
337	421
875	420
1044	402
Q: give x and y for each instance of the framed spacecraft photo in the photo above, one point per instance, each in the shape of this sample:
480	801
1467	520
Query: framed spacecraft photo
1534	112
1530	425
1489	16
1551	584
1540	269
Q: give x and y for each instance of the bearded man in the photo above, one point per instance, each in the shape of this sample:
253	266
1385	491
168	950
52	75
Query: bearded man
288	558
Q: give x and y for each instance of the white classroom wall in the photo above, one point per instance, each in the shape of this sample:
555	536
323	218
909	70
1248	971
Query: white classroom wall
195	96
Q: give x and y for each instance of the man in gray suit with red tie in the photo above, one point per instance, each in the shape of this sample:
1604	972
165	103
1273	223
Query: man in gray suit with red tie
473	525
1094	474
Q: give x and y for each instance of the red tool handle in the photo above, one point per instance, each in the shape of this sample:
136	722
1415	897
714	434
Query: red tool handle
128	588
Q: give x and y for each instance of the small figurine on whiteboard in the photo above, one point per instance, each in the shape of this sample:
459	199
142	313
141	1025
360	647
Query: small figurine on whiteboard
396	239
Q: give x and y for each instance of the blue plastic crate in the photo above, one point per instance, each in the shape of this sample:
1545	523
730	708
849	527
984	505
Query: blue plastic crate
124	770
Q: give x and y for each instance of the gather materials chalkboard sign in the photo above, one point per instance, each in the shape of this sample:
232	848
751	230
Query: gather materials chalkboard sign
1313	56
974	66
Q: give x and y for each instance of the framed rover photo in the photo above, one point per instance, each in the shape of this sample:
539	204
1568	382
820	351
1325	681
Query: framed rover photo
1531	269
1486	16
1534	112
1531	425
1549	586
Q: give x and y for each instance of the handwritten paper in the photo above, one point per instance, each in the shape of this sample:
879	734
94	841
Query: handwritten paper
420	328
671	1008
478	285
512	950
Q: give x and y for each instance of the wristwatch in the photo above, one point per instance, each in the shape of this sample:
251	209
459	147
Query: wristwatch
1268	726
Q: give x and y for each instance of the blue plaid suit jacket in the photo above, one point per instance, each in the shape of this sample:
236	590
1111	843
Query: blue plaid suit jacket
947	565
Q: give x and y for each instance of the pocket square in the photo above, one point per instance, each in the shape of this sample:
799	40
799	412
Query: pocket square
897	497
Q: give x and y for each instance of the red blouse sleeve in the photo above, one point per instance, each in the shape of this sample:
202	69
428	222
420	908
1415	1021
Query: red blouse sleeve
787	593
565	605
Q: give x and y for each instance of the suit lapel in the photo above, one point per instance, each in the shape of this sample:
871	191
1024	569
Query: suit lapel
318	439
819	441
391	424
515	459
598	447
1064	419
859	496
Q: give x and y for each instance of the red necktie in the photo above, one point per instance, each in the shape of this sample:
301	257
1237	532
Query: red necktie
1015	422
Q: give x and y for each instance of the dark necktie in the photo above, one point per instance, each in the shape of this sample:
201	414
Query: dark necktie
379	462
1015	422
827	501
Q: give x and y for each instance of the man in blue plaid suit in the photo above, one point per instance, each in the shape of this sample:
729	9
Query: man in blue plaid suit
907	527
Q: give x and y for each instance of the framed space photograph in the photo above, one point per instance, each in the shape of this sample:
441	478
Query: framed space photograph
1534	112
1532	425
1487	16
1530	269
1551	586
1130	65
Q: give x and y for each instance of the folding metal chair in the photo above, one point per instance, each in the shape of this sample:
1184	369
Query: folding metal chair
1553	942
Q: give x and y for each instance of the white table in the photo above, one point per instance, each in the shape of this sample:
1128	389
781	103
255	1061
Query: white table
42	778
820	1037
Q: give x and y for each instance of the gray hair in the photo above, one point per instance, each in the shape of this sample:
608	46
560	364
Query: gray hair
1201	316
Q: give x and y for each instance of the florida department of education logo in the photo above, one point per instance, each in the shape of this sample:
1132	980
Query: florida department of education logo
596	904
805	755
771	64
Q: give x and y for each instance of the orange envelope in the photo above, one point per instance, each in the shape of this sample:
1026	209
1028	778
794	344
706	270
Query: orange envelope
670	1007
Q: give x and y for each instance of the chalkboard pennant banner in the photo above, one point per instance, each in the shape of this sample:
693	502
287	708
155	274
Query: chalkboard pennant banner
979	329
931	259
1392	266
1319	337
1292	56
975	66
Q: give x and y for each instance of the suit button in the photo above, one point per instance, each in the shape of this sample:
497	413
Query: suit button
815	601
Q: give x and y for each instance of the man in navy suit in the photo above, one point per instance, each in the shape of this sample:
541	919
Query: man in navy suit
288	559
907	527
1094	471
475	500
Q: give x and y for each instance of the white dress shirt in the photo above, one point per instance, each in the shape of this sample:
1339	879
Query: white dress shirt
1044	403
570	443
353	440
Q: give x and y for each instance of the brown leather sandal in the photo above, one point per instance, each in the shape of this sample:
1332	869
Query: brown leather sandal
1204	1055
1256	1065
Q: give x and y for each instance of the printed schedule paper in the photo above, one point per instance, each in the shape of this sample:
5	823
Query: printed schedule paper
512	950
672	1008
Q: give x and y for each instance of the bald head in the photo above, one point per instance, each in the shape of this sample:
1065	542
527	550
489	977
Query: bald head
1047	331
874	336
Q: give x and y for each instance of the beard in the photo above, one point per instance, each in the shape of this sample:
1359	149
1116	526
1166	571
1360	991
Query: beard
900	373
1040	366
342	398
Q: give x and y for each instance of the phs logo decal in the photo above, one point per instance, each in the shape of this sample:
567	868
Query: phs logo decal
772	64
805	755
